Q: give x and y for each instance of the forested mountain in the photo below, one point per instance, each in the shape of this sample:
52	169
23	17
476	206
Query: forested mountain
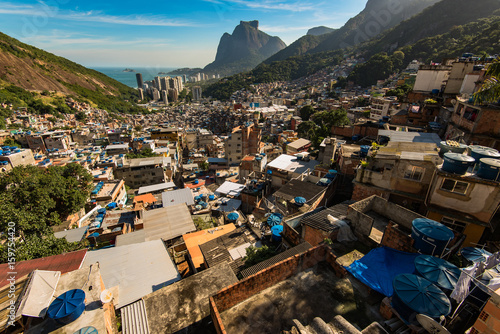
480	36
376	17
32	69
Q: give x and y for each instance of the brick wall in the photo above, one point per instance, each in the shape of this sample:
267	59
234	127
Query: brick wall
291	235
397	239
238	292
361	192
488	321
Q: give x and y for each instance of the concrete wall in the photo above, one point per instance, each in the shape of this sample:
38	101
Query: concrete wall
361	191
236	293
427	80
480	200
291	235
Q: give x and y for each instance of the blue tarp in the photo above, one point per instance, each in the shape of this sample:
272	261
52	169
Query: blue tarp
380	266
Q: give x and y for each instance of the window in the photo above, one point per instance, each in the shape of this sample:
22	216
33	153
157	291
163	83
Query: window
414	173
455	225
454	186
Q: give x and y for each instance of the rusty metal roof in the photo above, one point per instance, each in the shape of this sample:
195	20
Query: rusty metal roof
64	263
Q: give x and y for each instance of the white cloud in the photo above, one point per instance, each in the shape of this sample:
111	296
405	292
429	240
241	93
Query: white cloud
268	5
42	11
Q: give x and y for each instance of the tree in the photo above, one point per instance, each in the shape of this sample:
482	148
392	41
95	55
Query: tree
306	129
490	90
81	116
306	112
35	199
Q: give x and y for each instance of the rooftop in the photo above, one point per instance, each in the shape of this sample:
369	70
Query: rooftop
175	197
195	239
296	188
155	187
229	248
309	293
191	301
168	222
230	188
64	263
299	143
320	221
410	137
136	269
290	163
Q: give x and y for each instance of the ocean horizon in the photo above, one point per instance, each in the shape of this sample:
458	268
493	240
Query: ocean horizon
128	78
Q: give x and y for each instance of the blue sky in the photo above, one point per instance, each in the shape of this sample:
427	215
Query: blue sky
158	33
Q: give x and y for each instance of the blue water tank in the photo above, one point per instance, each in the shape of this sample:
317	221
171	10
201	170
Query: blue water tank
416	295
276	233
364	150
489	169
430	237
479	152
67	307
435	92
457	163
440	272
300	201
211	197
233	216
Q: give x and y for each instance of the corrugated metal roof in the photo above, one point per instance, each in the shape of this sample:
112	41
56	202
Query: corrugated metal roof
155	187
179	196
230	188
411	137
137	269
131	238
168	222
320	221
292	164
72	235
63	262
296	188
299	143
275	259
135	318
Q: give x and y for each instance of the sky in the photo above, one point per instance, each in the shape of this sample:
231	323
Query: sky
159	33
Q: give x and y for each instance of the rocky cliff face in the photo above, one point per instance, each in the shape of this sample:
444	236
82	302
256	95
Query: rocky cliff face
245	48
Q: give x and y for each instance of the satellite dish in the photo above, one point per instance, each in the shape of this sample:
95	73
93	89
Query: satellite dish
106	296
431	325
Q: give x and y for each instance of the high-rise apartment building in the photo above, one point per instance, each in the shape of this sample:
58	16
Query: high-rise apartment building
196	93
138	77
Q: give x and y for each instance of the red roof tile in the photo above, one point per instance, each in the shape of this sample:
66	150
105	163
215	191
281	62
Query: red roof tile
64	263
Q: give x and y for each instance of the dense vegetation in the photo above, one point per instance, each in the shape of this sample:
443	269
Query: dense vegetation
289	69
320	122
121	101
33	200
146	153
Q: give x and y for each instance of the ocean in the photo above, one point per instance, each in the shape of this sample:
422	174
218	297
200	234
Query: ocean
128	78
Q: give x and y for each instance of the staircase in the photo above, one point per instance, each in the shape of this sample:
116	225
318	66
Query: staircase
338	326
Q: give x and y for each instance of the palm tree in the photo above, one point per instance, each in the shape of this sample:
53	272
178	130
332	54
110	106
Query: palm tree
490	90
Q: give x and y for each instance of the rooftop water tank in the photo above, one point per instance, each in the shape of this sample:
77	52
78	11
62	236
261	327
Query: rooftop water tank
457	163
451	146
364	150
299	201
440	272
233	216
211	197
430	236
276	232
474	254
274	219
489	169
416	295
479	152
67	307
